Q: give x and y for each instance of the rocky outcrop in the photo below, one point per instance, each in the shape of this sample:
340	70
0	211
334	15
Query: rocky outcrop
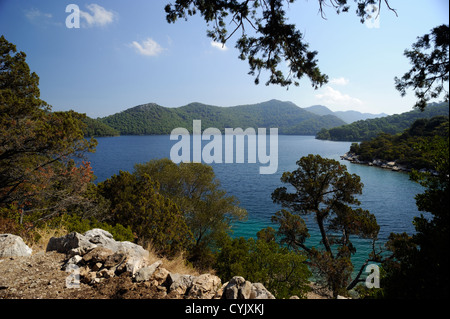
13	246
205	286
95	256
239	288
98	244
178	283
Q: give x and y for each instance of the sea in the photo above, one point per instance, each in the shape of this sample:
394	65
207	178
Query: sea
389	195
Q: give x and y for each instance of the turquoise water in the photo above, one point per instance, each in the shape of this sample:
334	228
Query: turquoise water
386	194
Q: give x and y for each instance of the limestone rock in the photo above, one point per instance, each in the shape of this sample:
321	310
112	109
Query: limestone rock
237	288
204	287
179	283
260	292
133	256
97	255
115	260
72	244
73	261
146	273
13	246
160	276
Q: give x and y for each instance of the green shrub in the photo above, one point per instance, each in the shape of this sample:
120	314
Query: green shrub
75	223
282	271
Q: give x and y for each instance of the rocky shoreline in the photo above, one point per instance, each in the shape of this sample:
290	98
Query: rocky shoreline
390	165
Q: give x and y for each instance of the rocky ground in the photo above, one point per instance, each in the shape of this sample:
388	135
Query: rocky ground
125	272
39	276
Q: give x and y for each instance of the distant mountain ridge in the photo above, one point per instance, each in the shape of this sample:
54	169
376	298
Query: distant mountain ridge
346	116
153	119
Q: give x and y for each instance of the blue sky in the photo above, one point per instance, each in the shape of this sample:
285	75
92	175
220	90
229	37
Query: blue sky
125	54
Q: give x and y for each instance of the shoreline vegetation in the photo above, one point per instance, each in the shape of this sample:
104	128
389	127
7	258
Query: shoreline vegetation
403	152
365	130
391	165
388	165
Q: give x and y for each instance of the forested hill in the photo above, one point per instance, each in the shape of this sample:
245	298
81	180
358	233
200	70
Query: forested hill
151	118
370	128
412	149
95	128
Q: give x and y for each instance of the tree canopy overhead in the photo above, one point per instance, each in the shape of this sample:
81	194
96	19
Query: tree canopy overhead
266	37
429	57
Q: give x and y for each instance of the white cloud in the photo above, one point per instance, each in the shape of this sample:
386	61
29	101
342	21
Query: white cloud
332	97
339	81
34	14
148	47
219	46
37	17
99	16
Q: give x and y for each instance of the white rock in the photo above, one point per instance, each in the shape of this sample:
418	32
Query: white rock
260	292
205	286
237	288
13	246
179	283
146	273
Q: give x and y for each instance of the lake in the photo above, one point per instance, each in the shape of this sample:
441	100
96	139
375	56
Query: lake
386	194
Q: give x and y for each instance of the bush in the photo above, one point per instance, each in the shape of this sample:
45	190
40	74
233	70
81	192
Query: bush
282	271
75	223
138	204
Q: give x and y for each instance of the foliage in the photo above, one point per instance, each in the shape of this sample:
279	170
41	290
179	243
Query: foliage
75	223
96	128
137	203
154	119
418	267
271	39
209	212
324	188
430	59
403	148
282	271
371	128
38	173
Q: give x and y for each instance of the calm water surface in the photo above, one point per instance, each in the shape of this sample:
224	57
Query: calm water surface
386	194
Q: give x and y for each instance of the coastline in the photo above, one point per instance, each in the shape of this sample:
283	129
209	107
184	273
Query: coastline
390	165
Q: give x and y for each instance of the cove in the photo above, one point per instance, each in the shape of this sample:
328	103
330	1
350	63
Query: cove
386	194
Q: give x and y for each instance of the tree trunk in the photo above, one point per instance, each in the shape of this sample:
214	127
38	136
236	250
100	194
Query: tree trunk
324	235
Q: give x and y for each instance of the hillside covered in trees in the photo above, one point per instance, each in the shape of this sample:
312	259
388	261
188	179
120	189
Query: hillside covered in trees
151	118
370	128
96	128
408	149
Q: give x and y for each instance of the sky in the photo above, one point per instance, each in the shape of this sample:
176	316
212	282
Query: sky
124	53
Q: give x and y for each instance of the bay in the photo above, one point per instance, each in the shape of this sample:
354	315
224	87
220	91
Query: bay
386	194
